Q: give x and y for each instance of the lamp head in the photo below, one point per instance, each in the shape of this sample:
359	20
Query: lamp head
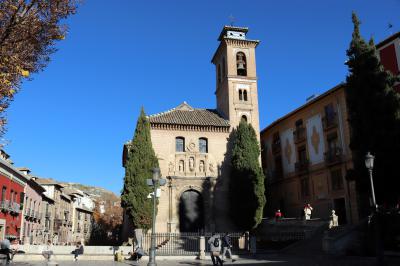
369	161
156	174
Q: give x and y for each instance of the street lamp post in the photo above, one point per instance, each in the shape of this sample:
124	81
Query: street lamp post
152	257
369	164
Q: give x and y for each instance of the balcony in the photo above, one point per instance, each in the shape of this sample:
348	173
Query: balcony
15	207
299	134
330	122
333	156
301	166
277	174
276	146
5	205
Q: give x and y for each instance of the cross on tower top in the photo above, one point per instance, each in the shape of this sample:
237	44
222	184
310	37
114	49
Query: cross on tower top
231	19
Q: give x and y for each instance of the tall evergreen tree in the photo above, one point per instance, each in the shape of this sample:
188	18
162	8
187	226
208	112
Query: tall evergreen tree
374	112
140	162
246	188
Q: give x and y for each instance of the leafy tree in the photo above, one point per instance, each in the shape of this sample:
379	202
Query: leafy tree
106	225
374	112
139	165
246	187
28	32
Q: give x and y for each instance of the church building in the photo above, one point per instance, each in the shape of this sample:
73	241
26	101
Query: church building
192	144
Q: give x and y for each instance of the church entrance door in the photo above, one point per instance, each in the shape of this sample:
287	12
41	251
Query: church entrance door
191	212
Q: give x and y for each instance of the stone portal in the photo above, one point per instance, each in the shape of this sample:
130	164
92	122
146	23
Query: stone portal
191	212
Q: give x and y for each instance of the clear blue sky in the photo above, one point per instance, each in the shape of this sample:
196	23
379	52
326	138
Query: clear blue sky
71	121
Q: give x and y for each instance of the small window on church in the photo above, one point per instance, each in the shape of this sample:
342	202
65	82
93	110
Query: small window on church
219	74
203	145
245	95
241	65
244	118
179	144
240	95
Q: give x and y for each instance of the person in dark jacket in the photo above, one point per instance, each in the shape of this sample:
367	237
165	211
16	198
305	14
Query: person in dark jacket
78	250
226	247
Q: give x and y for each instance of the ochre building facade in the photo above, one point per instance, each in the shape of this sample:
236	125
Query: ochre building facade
306	154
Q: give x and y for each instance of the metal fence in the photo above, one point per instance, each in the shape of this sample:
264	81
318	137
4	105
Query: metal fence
182	244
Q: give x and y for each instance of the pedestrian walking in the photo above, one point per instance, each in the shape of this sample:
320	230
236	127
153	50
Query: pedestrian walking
308	211
78	250
226	247
215	249
5	249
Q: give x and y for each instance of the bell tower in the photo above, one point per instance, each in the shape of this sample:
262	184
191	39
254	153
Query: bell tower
236	78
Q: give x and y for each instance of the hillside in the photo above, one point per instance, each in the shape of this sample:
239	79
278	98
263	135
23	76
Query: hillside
95	192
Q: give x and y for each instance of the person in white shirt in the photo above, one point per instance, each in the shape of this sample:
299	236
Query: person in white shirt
47	251
308	211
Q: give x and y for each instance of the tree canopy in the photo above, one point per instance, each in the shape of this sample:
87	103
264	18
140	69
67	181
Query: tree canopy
140	162
246	187
374	116
29	30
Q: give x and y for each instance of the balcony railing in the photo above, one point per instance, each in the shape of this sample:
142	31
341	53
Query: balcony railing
277	174
276	147
15	207
5	205
301	166
330	121
333	156
299	134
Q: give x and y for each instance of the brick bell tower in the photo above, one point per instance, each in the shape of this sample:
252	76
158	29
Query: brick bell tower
236	78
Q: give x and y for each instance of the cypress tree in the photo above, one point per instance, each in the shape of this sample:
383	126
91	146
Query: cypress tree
373	109
246	187
140	161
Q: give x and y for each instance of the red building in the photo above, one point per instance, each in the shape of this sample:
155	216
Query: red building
389	54
12	184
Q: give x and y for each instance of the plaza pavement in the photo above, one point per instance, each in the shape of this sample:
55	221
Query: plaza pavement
266	259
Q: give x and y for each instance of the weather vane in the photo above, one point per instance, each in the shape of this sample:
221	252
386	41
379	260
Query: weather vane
232	19
390	26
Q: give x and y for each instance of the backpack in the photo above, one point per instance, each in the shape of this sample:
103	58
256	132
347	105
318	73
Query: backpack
216	242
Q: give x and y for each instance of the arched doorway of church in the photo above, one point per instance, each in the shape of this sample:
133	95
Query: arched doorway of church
191	211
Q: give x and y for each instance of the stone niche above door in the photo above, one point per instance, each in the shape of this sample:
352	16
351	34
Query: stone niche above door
192	164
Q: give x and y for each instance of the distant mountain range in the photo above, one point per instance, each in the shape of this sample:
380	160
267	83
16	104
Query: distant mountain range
97	193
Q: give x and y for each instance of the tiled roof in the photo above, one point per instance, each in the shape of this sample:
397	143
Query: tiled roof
184	114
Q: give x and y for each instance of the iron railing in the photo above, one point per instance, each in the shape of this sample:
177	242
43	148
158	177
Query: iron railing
333	155
301	166
330	121
181	244
299	134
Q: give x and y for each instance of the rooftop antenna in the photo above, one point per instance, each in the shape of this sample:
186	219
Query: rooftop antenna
231	19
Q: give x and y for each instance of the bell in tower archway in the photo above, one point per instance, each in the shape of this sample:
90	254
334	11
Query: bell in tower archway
241	64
